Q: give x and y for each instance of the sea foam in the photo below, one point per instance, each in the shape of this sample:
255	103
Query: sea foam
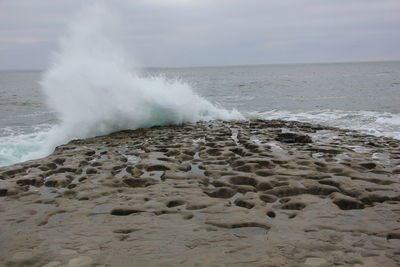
94	89
369	122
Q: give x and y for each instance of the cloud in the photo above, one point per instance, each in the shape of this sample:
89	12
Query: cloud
218	32
173	2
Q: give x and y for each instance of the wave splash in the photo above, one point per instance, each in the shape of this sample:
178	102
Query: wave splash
94	90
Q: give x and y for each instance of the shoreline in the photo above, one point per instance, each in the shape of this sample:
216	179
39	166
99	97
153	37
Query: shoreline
253	192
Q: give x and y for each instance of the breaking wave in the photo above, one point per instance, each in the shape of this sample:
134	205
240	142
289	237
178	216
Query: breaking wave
93	88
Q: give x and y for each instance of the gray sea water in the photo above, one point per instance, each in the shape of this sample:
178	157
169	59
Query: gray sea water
359	96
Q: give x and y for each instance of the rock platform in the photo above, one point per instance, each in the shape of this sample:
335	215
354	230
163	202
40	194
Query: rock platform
243	193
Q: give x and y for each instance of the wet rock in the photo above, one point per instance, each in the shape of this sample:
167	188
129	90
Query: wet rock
59	161
262	186
396	170
368	165
139	182
3	192
175	203
35	181
293	205
222	192
244	188
285	191
393	235
197	204
240	202
239	224
293	138
346	202
271	214
243	180
157	167
185	167
58	181
124	211
369	198
91	171
268	198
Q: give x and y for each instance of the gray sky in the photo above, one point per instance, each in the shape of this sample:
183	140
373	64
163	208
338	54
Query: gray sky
177	33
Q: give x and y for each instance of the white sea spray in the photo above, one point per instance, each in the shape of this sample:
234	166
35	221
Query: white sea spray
94	89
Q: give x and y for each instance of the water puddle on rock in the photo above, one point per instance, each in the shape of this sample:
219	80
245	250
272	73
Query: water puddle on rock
196	170
382	158
317	155
325	136
121	173
342	157
255	140
360	149
153	174
234	135
199	140
276	148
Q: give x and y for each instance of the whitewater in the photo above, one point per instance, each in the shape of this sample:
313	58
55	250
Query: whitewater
93	89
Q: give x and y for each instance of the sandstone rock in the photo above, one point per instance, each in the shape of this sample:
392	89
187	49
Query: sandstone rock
167	196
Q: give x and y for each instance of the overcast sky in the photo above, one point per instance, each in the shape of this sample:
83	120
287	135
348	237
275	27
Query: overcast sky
174	33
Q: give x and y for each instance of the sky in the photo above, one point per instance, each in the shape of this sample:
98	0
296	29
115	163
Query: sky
179	33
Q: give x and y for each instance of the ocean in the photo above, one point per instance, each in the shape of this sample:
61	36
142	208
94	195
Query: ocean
36	106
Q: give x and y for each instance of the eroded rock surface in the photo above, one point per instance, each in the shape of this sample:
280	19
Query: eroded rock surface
247	193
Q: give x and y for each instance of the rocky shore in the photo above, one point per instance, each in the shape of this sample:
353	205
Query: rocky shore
245	193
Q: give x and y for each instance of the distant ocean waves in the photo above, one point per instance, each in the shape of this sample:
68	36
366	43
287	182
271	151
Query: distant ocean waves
368	122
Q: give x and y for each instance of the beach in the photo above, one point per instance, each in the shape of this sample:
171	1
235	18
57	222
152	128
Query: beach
243	193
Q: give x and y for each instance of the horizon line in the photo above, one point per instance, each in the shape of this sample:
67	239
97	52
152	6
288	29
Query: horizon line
232	65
